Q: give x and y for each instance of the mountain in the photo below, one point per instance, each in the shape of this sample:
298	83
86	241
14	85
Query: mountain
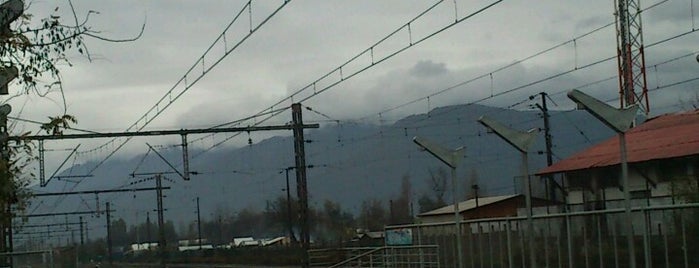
352	162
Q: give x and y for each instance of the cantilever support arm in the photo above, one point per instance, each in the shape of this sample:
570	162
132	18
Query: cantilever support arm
166	162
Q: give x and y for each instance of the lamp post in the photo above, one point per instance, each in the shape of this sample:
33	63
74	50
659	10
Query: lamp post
521	141
619	120
451	159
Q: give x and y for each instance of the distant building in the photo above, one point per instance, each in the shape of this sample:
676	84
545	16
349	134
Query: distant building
366	238
195	247
242	241
143	247
277	241
663	159
265	242
483	207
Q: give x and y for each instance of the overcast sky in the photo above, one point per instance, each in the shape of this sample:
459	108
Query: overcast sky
309	38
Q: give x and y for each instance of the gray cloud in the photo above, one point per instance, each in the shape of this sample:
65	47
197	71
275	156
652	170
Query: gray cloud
310	38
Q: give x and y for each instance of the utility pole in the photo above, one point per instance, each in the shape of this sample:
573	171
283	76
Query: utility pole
8	197
301	187
181	132
148	228
109	235
87	234
82	235
220	229
289	225
198	224
550	191
161	221
547	129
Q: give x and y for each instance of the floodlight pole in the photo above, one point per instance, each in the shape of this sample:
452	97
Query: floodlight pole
521	141
450	158
619	120
627	199
457	218
528	203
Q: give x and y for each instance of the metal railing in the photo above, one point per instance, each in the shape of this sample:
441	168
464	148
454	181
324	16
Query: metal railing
424	256
663	236
331	256
38	258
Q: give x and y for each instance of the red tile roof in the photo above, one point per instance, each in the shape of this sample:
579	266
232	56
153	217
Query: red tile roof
662	137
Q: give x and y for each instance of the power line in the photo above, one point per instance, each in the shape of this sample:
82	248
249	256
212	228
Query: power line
564	113
40	123
339	72
557	75
184	84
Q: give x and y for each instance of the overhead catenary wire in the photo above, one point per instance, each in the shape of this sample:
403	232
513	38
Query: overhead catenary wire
481	157
564	113
168	98
172	95
367	52
266	112
42	123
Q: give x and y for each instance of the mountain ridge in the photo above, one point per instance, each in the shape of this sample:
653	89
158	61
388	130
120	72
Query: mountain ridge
352	162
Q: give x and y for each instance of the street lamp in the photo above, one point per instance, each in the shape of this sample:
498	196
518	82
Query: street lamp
619	120
450	158
521	141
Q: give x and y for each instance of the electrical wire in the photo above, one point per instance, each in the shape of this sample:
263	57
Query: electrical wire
171	95
539	81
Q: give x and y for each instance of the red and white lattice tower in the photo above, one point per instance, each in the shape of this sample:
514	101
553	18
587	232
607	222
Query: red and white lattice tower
630	58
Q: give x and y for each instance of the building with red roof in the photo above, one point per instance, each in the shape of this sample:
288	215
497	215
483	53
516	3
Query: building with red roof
663	155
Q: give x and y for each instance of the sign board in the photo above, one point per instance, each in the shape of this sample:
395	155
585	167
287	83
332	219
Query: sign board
399	237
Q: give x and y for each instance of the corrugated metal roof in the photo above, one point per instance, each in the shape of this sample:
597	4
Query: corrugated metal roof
468	204
662	137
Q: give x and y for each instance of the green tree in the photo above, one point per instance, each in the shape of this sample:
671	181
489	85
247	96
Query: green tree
118	232
249	222
434	198
401	207
373	215
37	48
335	224
428	203
56	123
282	213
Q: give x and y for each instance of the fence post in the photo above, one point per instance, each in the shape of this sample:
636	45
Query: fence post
616	249
664	235
599	241
646	239
684	242
480	244
509	245
570	240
